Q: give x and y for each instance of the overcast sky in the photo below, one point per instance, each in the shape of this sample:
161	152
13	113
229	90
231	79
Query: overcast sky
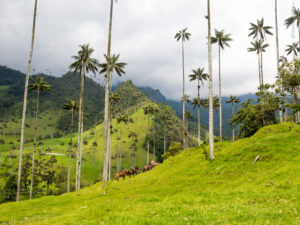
143	33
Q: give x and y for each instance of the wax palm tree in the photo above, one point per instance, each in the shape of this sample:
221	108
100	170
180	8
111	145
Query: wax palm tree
295	18
149	110
283	59
210	86
259	31
83	64
233	100
112	65
200	76
39	85
184	36
166	119
215	103
222	40
277	56
259	47
25	102
72	106
106	101
293	48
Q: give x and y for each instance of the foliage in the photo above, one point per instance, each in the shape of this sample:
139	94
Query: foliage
174	149
252	117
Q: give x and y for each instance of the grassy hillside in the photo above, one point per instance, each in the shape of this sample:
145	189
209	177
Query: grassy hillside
189	189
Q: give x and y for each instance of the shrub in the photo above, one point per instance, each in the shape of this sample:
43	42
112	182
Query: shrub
174	149
2	141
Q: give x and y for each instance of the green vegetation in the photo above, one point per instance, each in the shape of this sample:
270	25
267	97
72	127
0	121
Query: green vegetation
189	189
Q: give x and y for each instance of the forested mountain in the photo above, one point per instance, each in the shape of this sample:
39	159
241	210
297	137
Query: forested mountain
157	96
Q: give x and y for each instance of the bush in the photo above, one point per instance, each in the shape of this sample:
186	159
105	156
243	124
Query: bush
95	144
10	189
174	149
2	141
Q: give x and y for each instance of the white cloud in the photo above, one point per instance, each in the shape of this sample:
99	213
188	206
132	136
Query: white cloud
143	32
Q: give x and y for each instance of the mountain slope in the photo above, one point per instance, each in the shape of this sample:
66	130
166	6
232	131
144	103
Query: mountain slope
189	189
157	96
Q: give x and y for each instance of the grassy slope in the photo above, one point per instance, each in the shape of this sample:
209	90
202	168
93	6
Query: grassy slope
91	173
189	189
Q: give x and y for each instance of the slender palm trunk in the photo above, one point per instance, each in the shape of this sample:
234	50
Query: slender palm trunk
110	133
220	96
80	131
148	140
211	107
34	143
232	125
70	151
118	151
259	70
183	100
199	127
262	69
165	141
106	107
25	104
277	58
154	150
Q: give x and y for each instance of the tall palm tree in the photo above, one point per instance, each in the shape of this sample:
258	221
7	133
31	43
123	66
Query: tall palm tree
106	101
39	85
83	64
149	110
233	100
277	55
295	18
72	106
293	48
259	32
184	36
200	76
112	64
25	102
222	40
259	47
132	135
210	86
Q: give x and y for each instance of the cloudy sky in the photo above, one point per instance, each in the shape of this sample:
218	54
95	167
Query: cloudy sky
143	33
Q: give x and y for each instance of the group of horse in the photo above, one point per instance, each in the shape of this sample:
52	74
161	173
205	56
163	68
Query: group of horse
133	171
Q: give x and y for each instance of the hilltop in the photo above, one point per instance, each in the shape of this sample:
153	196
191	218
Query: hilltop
189	189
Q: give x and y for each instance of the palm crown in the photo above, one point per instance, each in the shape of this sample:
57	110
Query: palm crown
258	46
198	74
71	105
114	65
39	84
295	18
293	48
84	59
150	109
233	99
259	30
182	35
221	39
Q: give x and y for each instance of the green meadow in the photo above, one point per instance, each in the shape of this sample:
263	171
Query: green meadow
189	188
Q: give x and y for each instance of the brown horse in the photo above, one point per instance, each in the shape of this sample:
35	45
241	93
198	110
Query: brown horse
147	168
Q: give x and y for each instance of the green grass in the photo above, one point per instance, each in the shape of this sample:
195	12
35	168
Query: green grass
91	171
189	189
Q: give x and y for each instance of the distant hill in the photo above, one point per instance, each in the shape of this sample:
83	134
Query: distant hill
157	96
